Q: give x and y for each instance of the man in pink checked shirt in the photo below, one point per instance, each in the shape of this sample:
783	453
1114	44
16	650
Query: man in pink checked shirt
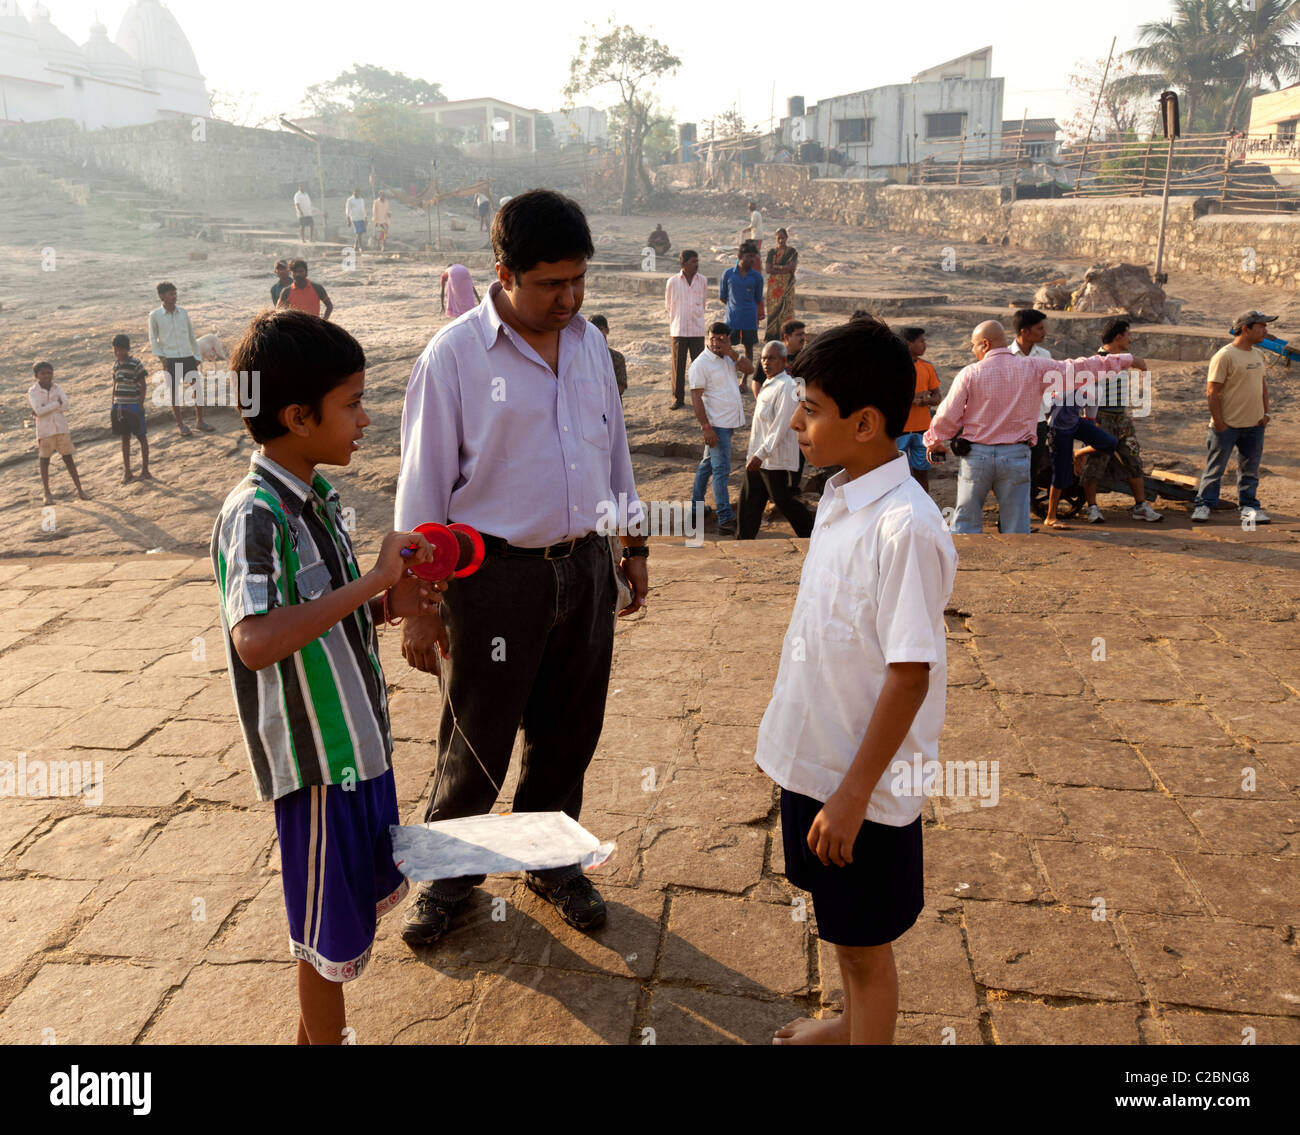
994	403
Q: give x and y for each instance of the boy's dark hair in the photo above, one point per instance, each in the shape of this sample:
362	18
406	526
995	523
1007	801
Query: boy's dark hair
1026	317
296	359
1113	330
165	286
790	326
719	328
540	226
38	367
599	321
748	245
278	265
749	205
911	334
688	254
296	261
860	313
120	340
862	363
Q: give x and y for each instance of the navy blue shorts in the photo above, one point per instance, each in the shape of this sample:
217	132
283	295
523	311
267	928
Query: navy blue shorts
336	859
871	901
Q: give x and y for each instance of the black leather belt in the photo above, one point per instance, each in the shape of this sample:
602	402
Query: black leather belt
500	547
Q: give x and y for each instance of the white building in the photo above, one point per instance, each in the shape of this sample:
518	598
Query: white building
148	73
908	122
580	124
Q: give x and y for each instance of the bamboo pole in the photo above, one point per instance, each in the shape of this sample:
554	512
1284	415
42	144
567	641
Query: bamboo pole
1095	106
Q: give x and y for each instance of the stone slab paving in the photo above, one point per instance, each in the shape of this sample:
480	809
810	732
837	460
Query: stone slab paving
1137	881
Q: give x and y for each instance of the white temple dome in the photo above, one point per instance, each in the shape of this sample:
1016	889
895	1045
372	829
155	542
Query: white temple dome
60	51
108	60
155	41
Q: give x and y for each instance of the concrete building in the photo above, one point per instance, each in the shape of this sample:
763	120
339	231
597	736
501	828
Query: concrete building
1039	144
146	74
1271	138
580	124
485	124
887	127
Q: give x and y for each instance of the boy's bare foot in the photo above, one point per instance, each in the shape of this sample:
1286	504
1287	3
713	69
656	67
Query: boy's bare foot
145	475
127	478
49	498
806	1030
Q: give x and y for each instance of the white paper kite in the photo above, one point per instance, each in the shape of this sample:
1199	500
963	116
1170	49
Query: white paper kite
494	845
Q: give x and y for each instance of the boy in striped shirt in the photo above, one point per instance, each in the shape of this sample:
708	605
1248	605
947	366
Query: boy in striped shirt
127	415
299	622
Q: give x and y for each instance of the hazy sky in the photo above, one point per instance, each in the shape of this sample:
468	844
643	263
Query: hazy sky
730	52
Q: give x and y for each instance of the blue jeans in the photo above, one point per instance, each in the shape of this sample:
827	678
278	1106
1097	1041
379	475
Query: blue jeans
1249	443
717	459
1005	470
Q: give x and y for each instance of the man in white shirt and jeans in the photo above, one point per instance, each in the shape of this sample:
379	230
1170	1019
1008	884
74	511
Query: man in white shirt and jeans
773	459
302	206
715	393
355	208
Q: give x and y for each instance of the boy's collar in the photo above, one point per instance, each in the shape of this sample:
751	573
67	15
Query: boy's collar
871	486
296	491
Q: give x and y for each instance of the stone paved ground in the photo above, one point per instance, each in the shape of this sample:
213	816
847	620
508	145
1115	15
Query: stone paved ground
1135	884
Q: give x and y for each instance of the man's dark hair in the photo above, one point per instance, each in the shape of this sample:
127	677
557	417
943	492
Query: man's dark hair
790	326
749	205
688	254
165	286
1113	330
296	359
719	328
748	245
540	227
911	334
599	321
278	265
293	264
38	367
1025	318
863	363
120	340
861	313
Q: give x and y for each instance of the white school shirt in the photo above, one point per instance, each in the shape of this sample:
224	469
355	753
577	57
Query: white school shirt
171	335
356	208
877	577
715	375
48	407
302	202
756	225
770	435
1037	351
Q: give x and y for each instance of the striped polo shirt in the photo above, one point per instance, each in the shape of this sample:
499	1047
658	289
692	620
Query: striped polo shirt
319	716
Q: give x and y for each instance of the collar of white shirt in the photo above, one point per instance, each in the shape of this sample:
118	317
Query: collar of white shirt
491	325
864	490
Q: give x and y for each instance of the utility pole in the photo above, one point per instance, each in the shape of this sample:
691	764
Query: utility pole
320	171
1169	120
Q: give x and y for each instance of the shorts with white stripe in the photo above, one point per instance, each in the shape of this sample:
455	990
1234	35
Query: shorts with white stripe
336	861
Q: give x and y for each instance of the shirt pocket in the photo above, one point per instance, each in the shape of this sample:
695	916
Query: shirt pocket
842	608
593	420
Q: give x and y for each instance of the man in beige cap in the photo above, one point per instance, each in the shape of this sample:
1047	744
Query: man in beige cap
1238	396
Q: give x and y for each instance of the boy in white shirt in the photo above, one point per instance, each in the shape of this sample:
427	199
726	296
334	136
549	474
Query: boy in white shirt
861	685
773	458
715	394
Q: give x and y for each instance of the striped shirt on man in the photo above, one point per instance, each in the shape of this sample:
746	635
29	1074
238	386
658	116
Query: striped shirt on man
319	716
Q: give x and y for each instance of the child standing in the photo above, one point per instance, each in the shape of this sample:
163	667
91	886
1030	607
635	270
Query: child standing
862	676
127	414
299	621
48	403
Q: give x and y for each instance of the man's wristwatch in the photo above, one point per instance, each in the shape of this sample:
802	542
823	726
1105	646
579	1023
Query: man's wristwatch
639	550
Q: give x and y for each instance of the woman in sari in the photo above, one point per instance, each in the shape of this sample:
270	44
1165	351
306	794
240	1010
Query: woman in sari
781	263
463	296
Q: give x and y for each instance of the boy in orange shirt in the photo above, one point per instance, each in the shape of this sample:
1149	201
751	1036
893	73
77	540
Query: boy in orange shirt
927	395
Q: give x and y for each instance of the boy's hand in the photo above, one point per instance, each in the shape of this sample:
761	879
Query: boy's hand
835	830
754	464
392	565
411	596
424	639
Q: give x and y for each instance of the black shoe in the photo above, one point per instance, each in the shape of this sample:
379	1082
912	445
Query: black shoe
578	902
727	529
427	919
678	406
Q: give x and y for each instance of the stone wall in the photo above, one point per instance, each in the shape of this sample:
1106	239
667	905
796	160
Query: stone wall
1255	249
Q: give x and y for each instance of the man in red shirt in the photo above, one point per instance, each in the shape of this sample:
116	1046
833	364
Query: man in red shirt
302	294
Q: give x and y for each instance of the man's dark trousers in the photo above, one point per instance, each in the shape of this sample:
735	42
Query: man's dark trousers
682	345
531	644
778	486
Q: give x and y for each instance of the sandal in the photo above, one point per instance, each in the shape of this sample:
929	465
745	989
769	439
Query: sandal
207	429
186	431
1057	524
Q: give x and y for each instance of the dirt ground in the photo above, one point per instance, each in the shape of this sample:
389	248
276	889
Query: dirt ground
106	267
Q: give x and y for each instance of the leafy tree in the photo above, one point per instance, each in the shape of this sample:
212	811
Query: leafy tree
632	61
366	83
1118	115
1259	31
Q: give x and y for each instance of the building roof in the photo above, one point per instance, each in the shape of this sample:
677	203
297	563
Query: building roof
151	35
1032	126
959	59
460	103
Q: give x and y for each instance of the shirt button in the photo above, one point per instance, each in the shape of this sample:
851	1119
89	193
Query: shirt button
566	429
575	508
572	466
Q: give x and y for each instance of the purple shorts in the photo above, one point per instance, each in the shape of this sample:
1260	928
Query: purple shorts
336	859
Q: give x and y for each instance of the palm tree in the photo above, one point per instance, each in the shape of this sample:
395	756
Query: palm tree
1259	30
1189	51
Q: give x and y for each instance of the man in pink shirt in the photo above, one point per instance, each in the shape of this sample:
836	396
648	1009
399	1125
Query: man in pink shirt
994	404
684	298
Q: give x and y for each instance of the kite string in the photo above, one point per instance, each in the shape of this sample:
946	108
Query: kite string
442	763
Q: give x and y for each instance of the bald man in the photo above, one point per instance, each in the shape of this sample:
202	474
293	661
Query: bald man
994	403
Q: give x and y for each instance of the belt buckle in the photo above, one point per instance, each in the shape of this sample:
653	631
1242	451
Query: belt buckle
547	554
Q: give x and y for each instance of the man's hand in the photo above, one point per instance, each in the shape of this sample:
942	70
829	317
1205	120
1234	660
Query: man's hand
754	464
835	829
412	596
1218	425
710	437
1138	364
638	579
935	453
1263	421
424	638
